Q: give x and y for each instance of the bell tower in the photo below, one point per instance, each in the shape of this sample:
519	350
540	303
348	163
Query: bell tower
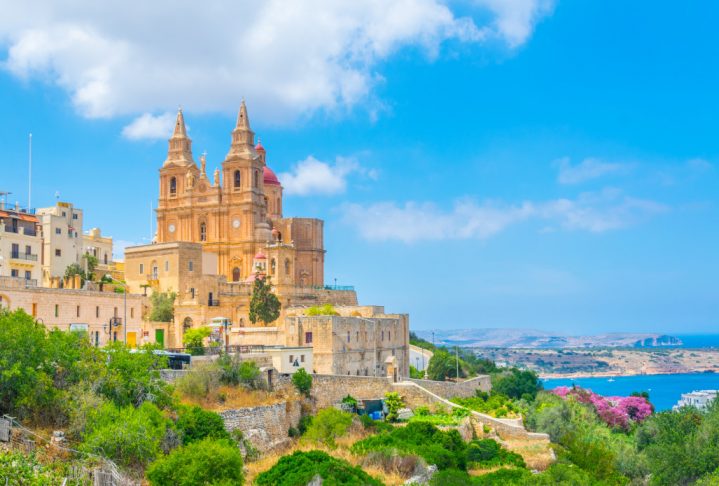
177	176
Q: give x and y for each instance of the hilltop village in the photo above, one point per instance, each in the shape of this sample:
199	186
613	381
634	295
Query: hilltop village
216	235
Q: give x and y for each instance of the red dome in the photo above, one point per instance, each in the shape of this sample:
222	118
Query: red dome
259	147
270	177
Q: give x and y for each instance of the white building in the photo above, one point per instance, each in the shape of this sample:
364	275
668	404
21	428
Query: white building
20	246
99	246
700	399
62	239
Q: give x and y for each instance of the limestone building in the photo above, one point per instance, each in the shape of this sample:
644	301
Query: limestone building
237	212
62	239
216	233
20	245
100	314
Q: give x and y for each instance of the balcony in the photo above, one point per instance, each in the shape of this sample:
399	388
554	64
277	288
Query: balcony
116	321
17	282
213	303
23	256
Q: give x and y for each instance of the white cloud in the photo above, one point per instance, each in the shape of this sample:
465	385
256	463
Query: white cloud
594	212
314	177
287	58
587	169
150	127
514	20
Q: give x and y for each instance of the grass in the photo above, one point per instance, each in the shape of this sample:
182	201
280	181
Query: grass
233	397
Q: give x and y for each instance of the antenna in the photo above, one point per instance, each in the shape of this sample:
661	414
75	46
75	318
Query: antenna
151	235
29	174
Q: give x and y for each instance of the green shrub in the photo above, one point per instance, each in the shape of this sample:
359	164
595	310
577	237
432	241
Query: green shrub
194	339
302	381
299	468
415	373
487	452
446	449
495	404
206	462
196	424
18	469
234	371
322	310
132	378
199	382
129	436
350	400
394	403
421	411
328	425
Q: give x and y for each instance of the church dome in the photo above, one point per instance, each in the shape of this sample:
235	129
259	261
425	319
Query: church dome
260	256
270	177
259	147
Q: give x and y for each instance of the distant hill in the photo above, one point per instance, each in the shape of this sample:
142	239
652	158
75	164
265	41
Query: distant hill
529	338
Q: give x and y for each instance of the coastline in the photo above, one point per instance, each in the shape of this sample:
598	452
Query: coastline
614	374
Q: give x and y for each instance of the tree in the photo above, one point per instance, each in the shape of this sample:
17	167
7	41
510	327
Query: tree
129	436
328	425
264	305
302	381
415	373
133	378
443	365
394	403
207	462
517	384
234	371
163	306
194	339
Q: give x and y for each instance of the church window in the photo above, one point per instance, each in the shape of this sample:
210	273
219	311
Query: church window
348	336
173	186
190	266
236	274
308	337
142	268
238	179
257	178
167	265
203	232
273	266
277	208
287	266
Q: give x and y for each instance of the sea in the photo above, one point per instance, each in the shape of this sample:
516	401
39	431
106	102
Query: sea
664	390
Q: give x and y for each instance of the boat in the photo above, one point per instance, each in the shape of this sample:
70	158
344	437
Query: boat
610	380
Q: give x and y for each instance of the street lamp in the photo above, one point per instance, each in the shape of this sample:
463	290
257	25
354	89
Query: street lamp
124	294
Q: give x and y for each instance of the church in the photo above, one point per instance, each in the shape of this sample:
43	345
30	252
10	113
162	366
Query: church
216	234
237	213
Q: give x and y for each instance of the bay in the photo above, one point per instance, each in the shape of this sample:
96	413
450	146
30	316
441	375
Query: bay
664	390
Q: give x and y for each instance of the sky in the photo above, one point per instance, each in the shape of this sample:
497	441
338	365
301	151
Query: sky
534	164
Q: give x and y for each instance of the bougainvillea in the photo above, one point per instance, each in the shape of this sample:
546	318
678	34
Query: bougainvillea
618	412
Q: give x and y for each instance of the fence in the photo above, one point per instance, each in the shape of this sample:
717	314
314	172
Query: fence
219	349
105	473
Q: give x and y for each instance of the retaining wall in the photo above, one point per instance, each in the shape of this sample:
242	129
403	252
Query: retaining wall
264	426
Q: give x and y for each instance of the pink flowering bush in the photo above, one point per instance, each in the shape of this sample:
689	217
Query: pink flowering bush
618	412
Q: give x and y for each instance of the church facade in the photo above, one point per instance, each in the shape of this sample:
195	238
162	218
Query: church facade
237	212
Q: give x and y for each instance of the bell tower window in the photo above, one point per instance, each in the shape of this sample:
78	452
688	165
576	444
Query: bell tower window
238	179
173	186
257	178
203	232
235	274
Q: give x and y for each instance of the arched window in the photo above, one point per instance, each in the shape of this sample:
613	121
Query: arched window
187	324
173	186
203	232
238	179
273	266
235	274
257	178
287	266
278	208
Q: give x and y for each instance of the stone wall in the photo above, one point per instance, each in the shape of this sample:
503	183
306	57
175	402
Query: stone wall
265	426
464	389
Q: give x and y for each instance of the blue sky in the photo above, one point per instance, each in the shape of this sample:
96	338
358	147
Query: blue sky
479	163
